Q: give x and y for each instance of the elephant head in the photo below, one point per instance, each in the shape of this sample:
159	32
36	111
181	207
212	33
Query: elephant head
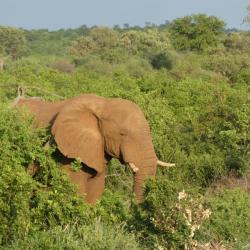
95	129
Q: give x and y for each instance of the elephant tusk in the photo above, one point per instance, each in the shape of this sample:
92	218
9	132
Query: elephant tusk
47	145
165	164
133	167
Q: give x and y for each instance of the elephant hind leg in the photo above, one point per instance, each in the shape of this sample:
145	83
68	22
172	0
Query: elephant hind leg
95	188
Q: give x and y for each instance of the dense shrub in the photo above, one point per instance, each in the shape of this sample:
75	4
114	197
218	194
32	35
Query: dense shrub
169	217
63	66
238	42
16	186
228	65
28	204
94	236
162	61
244	76
230	218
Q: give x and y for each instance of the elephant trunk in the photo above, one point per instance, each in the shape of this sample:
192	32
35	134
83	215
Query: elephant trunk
147	169
139	181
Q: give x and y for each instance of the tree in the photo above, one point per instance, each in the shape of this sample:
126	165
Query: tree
104	37
114	46
247	18
146	42
98	40
82	47
196	32
12	42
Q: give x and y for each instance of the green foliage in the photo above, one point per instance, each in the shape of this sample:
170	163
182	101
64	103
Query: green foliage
244	76
247	18
196	32
230	218
76	165
228	65
82	47
103	37
117	47
145	42
16	187
169	217
98	39
238	42
95	236
63	66
162	61
12	42
44	42
27	204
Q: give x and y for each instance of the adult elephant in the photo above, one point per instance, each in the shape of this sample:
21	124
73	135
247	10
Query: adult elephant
95	129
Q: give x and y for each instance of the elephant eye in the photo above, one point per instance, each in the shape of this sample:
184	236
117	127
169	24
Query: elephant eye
123	132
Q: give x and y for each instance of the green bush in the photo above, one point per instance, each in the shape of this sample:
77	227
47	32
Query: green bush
169	217
230	218
63	66
244	76
162	61
92	237
28	204
238	42
228	65
18	147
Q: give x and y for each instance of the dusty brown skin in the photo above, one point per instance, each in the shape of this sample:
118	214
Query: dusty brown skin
95	129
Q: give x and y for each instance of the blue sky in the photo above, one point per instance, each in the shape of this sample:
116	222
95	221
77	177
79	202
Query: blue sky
55	14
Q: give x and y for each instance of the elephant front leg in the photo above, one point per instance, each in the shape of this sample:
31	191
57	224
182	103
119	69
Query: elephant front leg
88	186
79	178
95	187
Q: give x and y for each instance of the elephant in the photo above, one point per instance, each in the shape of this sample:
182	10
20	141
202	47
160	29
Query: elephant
94	129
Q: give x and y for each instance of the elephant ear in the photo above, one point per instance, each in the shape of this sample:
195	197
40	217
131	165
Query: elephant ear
77	135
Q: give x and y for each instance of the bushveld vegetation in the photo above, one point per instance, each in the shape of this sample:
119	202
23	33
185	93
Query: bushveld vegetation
191	78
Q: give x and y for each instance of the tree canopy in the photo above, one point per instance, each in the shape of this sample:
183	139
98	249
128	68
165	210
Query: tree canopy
196	32
12	42
247	18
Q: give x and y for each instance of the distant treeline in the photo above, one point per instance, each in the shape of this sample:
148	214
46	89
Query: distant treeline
44	41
